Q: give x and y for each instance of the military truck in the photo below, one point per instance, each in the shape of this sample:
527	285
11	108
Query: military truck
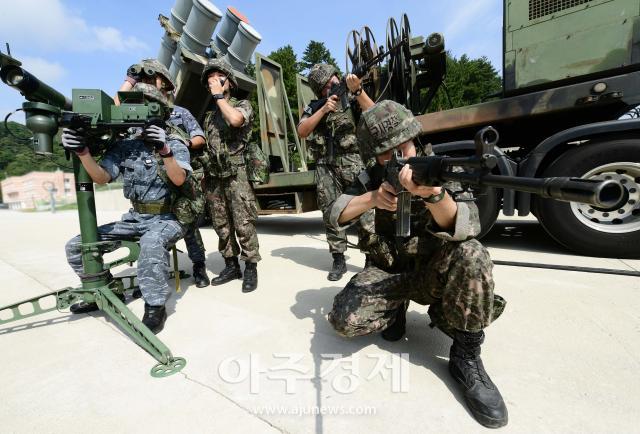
571	70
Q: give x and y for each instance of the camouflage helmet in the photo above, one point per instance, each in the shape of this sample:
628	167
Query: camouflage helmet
161	70
385	126
152	93
220	65
319	74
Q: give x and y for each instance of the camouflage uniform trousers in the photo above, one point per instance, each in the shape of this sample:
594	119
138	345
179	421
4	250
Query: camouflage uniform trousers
195	245
456	282
193	238
158	234
232	204
331	182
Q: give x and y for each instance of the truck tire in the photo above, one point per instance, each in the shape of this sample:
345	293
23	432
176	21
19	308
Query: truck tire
582	228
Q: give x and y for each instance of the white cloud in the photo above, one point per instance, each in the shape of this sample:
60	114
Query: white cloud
50	25
49	72
111	39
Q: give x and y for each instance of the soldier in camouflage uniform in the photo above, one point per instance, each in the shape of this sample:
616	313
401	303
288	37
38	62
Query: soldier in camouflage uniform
229	194
185	126
151	165
439	264
335	150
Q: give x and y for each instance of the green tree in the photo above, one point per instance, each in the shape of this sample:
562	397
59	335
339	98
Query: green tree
18	158
468	81
288	60
316	52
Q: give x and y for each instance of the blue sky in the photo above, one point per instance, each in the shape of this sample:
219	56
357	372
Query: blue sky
89	44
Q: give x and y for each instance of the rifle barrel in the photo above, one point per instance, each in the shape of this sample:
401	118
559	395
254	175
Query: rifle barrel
600	194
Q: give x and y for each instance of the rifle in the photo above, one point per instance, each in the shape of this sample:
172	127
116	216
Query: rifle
338	89
436	170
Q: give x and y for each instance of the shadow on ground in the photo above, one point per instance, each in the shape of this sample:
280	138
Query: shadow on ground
522	235
428	348
312	257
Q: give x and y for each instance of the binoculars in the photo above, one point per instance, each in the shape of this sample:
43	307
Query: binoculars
138	71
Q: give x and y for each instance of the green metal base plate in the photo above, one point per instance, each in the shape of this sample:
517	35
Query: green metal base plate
175	365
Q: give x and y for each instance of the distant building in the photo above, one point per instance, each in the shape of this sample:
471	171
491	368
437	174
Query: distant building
31	190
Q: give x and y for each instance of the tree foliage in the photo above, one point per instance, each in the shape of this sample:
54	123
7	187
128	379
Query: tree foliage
288	60
468	81
316	52
17	158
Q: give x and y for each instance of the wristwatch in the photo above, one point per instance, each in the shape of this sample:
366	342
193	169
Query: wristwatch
217	96
169	154
435	198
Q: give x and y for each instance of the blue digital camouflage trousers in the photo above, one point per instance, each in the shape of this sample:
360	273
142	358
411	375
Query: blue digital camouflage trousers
158	233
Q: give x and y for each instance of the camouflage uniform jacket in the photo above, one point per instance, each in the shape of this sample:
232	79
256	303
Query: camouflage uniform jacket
397	254
139	166
187	127
334	139
221	137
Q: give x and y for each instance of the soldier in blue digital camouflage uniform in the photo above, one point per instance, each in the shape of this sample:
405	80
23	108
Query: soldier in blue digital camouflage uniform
140	159
187	127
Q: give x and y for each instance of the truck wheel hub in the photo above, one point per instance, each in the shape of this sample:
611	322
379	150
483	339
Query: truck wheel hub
624	219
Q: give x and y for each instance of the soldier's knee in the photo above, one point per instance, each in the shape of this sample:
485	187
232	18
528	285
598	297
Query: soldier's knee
72	246
346	325
472	253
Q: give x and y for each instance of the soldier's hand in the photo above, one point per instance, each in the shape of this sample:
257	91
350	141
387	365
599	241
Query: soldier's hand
156	136
216	86
73	140
406	180
331	105
353	83
385	197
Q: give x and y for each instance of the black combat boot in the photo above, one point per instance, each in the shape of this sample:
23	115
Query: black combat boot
482	396
200	274
154	317
396	331
338	268
231	271
250	282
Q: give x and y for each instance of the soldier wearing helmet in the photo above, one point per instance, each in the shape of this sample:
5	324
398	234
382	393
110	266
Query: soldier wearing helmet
331	135
151	164
185	125
231	199
440	264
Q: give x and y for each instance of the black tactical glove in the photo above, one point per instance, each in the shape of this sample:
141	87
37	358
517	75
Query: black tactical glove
156	136
73	140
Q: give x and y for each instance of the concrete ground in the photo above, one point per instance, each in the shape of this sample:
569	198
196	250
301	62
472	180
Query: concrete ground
565	353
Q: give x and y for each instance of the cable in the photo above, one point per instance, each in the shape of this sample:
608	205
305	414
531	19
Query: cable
27	141
6	127
446	92
569	268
